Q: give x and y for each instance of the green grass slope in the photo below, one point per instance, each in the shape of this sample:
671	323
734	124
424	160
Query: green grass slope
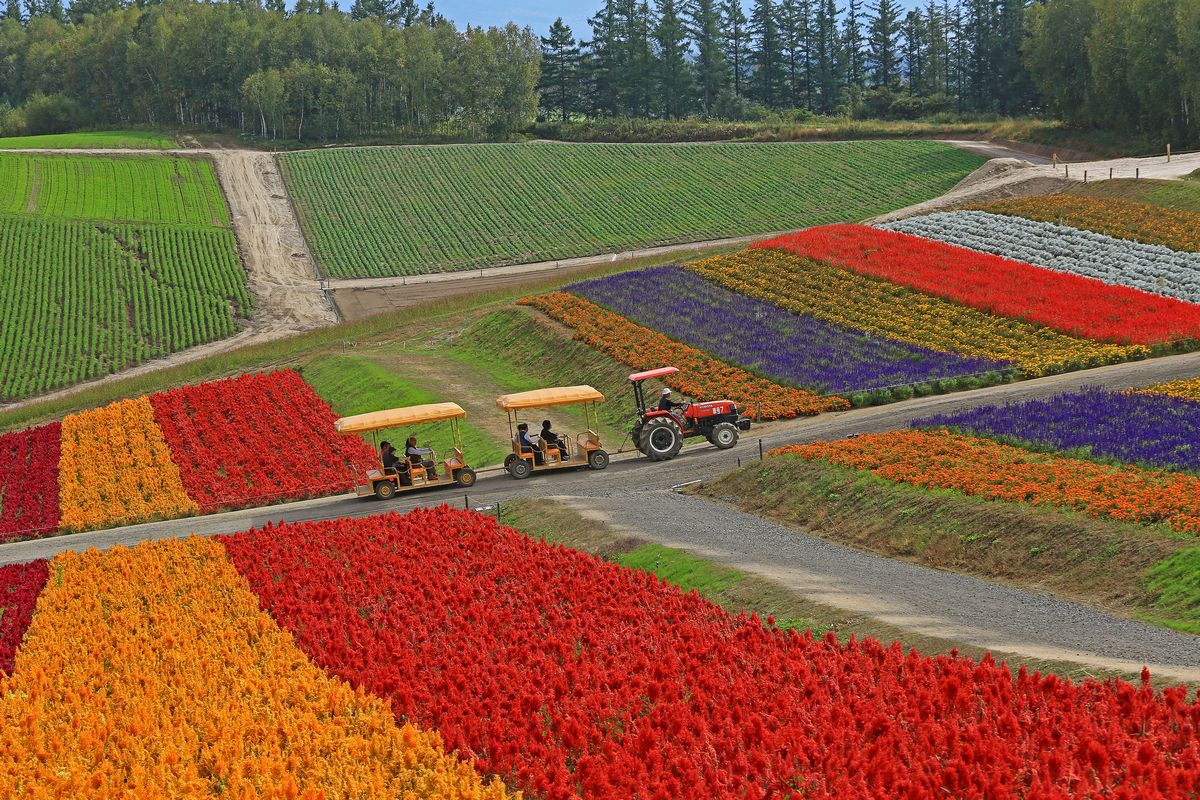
132	140
106	263
410	210
1181	195
1142	571
355	385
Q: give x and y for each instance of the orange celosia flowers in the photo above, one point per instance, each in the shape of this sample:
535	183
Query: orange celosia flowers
1169	227
940	459
700	374
115	468
152	672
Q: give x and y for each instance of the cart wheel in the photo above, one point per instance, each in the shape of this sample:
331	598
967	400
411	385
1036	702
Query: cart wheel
520	469
508	461
385	490
465	477
597	459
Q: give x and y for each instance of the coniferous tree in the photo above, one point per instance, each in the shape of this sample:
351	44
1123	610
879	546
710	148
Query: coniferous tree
12	10
275	6
604	61
826	56
386	11
913	51
638	85
852	44
712	70
674	87
936	51
559	82
735	34
882	41
794	20
766	82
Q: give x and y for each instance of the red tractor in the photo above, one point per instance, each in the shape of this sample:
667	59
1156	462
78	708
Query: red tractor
659	434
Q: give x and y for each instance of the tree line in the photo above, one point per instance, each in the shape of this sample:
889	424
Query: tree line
391	69
1125	65
710	57
384	68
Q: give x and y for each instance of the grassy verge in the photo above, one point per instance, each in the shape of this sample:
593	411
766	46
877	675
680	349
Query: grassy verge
1131	570
1180	195
137	140
737	591
353	384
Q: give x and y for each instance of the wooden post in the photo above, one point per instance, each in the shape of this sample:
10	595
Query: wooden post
1168	153
760	450
1054	159
1110	173
1067	170
1085	176
1137	174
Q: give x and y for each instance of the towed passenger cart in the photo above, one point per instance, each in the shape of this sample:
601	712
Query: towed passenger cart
373	480
587	452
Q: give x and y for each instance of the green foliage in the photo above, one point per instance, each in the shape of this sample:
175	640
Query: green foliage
1175	583
1180	195
681	568
141	189
106	263
403	211
138	140
356	385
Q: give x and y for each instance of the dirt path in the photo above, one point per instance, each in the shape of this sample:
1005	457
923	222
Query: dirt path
1017	177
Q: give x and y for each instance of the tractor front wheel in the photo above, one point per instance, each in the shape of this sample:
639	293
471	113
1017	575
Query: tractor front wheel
597	459
520	468
465	477
661	438
723	435
508	461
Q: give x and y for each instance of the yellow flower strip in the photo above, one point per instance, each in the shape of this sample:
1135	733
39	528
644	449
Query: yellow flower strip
116	469
152	672
1187	389
1124	219
856	301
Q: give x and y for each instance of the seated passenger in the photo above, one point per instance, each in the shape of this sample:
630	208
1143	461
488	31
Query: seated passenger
552	439
393	464
528	445
417	456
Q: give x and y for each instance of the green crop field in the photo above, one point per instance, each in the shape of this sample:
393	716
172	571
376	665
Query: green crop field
411	210
106	263
96	139
125	189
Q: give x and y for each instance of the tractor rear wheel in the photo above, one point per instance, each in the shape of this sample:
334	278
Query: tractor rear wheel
508	461
723	435
597	459
520	468
661	438
465	477
385	490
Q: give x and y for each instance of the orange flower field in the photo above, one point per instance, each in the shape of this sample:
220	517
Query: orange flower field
844	297
700	375
1169	227
115	469
974	466
152	672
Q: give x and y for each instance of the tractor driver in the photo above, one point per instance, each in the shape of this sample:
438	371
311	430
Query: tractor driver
665	403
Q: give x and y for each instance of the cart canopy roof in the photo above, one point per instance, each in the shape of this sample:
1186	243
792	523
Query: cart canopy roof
653	373
399	417
545	398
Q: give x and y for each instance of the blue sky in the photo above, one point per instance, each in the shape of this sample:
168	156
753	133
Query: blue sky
539	15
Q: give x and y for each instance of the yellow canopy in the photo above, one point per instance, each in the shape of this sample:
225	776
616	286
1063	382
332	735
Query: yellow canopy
399	417
545	398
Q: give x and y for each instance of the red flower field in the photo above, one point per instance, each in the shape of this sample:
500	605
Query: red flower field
20	585
1068	303
29	482
255	439
567	676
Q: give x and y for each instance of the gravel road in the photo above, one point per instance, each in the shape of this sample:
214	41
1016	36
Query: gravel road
927	601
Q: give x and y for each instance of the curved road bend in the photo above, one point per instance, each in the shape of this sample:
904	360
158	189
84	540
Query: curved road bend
947	605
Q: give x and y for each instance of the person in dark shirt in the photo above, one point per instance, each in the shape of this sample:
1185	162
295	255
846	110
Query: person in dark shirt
527	444
552	439
393	464
665	403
